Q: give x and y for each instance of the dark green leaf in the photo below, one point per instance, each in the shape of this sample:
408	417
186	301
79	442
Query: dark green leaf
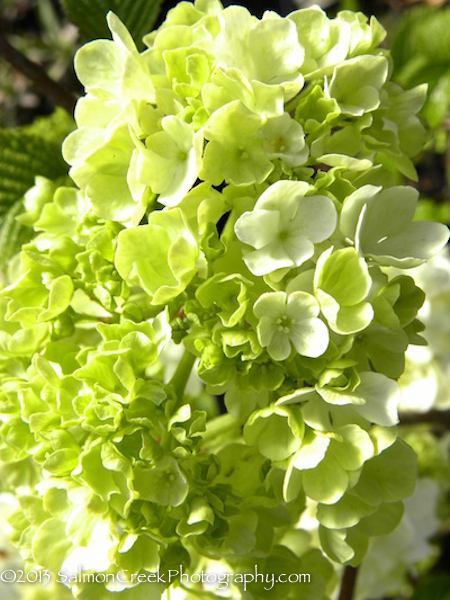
22	157
12	234
429	210
420	44
53	128
436	588
26	152
90	16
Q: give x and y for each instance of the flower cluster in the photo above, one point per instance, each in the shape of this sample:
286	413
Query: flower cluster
234	194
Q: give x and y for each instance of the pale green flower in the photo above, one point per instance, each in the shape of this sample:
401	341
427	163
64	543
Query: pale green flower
100	160
43	289
375	398
355	84
185	27
163	484
116	464
227	294
188	69
290	319
116	78
65	215
381	224
342	283
364	35
114	69
168	161
277	431
161	257
265	50
35	199
284	138
235	150
326	41
229	84
327	464
284	226
397	131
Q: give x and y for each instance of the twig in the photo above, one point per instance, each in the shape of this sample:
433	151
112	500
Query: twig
348	584
47	86
435	417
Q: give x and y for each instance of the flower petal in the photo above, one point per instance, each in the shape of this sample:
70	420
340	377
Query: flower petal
310	337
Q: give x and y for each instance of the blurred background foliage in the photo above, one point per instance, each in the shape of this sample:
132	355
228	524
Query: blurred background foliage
48	32
39	29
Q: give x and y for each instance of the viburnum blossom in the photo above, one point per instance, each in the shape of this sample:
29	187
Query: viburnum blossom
231	211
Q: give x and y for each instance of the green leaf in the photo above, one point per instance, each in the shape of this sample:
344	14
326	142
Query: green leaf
22	157
12	234
89	16
434	588
53	128
27	152
420	46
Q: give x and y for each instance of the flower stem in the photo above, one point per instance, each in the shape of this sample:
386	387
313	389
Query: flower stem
182	374
348	584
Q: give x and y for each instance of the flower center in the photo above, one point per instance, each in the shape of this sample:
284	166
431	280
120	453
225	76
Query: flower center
242	153
280	145
169	476
284	324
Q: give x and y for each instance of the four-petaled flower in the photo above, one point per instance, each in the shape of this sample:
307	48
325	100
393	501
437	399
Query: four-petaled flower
284	138
286	319
284	226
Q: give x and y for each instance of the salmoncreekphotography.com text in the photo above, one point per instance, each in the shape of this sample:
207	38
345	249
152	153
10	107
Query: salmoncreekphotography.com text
218	580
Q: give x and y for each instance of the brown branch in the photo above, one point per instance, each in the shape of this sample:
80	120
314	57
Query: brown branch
47	86
348	584
439	418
